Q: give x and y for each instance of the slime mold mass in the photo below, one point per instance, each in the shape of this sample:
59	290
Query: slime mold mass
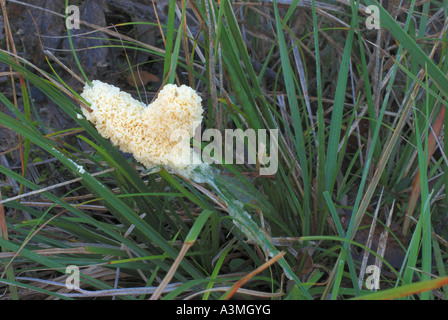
157	134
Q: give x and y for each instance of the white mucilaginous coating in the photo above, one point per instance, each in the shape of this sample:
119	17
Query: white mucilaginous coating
157	134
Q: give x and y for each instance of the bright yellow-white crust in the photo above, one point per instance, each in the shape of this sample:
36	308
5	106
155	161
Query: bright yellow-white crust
157	134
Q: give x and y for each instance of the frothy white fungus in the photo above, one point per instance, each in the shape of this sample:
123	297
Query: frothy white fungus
157	134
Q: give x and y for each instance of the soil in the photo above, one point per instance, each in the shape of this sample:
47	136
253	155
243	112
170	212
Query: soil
40	26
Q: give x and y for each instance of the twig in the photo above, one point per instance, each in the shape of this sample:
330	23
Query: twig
382	243
211	58
28	240
242	281
165	282
53	187
369	243
95	27
49	252
99	293
57	84
260	294
301	72
59	62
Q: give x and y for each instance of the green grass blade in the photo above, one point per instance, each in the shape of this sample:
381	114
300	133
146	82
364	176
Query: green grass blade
296	116
403	291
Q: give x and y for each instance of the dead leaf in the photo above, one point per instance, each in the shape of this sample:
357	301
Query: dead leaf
305	263
142	78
